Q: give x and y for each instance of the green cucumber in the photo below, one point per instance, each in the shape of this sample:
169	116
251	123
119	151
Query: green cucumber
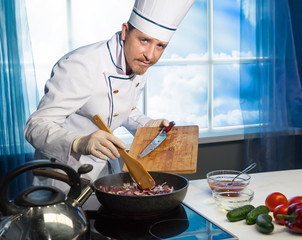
240	213
264	223
252	216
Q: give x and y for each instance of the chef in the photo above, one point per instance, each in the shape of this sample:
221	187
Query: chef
104	78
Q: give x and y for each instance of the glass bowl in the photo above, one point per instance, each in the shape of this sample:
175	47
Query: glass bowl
221	179
228	200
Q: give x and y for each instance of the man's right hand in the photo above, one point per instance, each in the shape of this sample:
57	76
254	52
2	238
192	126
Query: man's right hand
99	144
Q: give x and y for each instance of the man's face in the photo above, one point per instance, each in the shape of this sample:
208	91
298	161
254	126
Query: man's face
141	51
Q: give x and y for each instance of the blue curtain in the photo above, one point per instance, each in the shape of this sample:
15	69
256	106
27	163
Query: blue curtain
17	83
296	19
276	88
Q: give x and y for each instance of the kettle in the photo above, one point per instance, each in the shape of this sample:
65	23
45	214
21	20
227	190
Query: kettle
43	212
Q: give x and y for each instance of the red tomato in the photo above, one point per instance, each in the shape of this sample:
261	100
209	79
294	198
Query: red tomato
280	209
294	200
274	199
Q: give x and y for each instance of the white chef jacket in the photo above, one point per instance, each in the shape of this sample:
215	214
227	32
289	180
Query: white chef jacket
87	81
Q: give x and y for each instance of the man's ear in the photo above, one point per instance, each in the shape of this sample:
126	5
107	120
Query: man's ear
124	31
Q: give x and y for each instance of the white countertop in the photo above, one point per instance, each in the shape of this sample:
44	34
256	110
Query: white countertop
289	182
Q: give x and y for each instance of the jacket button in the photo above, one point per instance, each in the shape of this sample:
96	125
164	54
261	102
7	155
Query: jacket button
133	108
115	114
137	85
115	91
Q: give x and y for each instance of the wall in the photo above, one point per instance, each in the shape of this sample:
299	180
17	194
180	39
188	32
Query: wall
230	155
214	156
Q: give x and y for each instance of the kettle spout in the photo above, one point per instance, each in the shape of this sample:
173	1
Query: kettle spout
82	198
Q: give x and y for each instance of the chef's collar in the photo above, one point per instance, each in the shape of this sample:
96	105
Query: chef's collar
122	59
116	51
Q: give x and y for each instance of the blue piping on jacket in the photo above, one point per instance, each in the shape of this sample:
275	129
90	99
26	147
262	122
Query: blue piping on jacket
109	78
112	57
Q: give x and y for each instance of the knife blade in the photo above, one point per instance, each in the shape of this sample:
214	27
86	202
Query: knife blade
163	134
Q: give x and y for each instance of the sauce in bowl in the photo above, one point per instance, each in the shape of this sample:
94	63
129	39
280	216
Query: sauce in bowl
222	185
220	180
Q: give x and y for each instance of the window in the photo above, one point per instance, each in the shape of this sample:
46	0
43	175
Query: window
197	80
59	26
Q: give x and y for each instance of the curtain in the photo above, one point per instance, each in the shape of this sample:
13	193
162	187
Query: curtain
296	18
18	89
275	88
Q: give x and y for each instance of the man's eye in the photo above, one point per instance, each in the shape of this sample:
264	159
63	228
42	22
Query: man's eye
161	46
144	40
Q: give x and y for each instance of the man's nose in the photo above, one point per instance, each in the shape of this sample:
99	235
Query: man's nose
149	52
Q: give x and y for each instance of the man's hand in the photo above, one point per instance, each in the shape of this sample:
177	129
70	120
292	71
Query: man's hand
99	144
157	123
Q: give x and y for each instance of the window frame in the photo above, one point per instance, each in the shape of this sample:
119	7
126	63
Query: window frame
212	134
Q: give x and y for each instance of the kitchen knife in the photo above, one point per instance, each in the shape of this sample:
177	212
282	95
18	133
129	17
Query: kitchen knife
163	134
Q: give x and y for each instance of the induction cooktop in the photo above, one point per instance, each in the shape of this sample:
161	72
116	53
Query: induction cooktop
183	223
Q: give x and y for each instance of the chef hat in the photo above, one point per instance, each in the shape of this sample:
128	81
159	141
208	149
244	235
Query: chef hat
159	18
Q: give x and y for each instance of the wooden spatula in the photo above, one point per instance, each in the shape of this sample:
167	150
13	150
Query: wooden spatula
136	169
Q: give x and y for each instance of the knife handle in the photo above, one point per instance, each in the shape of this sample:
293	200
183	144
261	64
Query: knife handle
167	129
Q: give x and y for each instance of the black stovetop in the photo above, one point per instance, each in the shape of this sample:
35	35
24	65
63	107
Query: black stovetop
183	223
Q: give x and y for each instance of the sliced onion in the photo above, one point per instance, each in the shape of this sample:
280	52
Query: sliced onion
133	190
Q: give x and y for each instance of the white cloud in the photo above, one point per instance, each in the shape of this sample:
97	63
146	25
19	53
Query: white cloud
231	118
183	96
190	56
235	54
253	116
249	10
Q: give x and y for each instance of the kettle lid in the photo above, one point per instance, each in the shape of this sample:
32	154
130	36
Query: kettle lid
40	196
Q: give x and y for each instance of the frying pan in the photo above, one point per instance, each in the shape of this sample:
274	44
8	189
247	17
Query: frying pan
141	205
131	205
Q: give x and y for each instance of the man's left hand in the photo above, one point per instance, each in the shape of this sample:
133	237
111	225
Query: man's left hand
157	123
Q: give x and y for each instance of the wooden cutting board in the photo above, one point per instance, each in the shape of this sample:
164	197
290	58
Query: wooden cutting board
176	154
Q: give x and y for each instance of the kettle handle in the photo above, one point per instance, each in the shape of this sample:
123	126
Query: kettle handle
9	208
